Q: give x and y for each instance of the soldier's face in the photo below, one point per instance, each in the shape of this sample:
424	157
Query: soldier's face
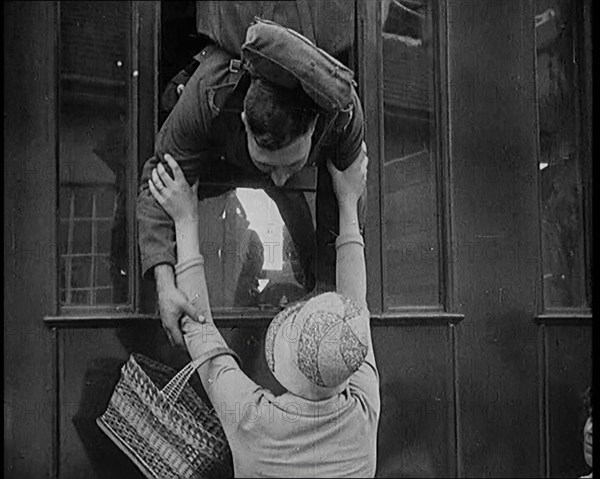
283	163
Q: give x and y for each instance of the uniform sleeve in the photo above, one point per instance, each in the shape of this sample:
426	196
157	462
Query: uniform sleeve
184	135
346	143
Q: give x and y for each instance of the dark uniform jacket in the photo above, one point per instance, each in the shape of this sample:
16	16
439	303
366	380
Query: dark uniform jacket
204	133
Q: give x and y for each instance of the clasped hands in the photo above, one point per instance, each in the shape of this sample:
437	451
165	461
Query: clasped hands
350	183
180	201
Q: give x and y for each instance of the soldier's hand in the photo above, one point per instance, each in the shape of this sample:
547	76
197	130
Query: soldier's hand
350	184
173	305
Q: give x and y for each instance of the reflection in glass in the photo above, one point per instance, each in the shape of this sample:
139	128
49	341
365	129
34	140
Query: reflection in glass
93	164
249	257
410	211
560	154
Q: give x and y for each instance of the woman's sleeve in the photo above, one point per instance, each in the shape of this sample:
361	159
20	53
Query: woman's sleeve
226	385
364	383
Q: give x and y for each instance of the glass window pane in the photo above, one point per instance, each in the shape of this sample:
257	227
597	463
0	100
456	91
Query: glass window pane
410	201
94	165
250	257
80	268
82	237
560	153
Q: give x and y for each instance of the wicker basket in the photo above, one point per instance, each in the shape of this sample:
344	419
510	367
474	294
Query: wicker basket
164	427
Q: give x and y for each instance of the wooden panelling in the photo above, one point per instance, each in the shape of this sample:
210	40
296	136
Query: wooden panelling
568	356
29	256
416	427
495	233
415	360
90	359
89	365
415	364
495	395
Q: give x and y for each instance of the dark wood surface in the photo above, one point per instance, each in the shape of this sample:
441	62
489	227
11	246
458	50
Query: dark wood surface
415	364
495	394
568	350
29	232
495	217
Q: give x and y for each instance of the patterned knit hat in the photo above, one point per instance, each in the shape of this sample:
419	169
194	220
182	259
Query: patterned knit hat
313	347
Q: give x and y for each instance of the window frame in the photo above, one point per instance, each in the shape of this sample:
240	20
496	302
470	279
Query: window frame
371	93
146	29
142	115
582	48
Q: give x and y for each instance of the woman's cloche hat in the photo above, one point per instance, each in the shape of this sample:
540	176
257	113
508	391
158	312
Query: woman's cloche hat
313	347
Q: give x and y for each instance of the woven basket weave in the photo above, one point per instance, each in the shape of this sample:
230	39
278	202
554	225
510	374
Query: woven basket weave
164	427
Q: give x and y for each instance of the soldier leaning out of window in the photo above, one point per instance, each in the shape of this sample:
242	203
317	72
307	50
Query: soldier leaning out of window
229	127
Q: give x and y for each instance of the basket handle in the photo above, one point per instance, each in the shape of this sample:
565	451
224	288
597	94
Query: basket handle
173	389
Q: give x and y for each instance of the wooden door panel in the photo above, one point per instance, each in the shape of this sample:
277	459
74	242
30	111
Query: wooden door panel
495	226
416	427
29	259
90	360
569	356
89	368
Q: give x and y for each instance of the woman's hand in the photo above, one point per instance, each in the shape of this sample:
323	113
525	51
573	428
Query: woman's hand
175	195
350	183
